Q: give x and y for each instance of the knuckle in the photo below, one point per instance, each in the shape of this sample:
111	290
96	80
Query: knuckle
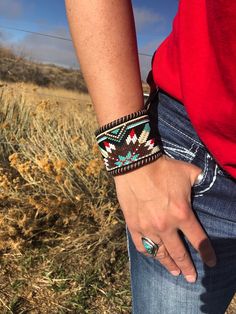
180	258
143	225
161	225
183	212
162	255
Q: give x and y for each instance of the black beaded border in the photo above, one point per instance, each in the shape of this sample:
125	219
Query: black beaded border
136	164
121	120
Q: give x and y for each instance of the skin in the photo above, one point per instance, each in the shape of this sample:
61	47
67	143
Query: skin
155	198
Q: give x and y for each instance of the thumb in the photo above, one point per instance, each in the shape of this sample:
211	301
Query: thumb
196	175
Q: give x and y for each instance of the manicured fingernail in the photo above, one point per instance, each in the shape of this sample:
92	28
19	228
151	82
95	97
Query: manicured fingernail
175	272
190	278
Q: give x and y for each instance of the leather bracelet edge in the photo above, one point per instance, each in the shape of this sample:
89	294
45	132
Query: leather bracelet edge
136	164
120	120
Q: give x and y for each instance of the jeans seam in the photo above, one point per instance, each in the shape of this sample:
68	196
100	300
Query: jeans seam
181	150
171	126
179	153
211	183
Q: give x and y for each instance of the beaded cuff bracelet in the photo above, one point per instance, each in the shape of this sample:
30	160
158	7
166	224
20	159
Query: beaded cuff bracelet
128	142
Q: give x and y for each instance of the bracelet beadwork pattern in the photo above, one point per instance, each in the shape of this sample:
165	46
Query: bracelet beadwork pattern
128	143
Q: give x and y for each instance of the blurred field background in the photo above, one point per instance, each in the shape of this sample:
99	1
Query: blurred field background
62	234
62	240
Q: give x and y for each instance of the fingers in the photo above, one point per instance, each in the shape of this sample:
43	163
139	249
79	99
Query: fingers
136	237
165	259
199	240
172	253
162	254
180	256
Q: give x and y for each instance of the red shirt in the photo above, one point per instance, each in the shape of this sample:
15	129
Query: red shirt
196	64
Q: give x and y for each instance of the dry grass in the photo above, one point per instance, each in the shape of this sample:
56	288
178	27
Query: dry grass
62	239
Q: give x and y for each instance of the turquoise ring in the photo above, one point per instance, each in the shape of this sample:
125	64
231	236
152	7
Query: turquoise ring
150	246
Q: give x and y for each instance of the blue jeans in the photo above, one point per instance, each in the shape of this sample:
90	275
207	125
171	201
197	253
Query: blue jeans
154	289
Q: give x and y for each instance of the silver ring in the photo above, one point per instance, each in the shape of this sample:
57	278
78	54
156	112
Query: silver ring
150	246
199	178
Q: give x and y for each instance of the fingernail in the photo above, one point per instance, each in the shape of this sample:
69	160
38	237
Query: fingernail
190	278
175	272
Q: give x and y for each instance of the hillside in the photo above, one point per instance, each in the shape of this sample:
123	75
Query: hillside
17	69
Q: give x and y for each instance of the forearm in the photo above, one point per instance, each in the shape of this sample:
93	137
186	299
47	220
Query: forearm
104	37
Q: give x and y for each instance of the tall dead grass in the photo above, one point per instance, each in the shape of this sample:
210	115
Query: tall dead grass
56	196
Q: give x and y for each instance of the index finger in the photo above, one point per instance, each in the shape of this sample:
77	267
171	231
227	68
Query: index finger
179	254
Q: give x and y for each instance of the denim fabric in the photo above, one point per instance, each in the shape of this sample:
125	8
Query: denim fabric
154	289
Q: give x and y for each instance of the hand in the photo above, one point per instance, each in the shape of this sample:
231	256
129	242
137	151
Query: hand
156	203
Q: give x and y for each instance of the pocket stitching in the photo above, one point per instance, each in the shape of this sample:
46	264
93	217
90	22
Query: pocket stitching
187	153
210	185
171	126
168	148
184	154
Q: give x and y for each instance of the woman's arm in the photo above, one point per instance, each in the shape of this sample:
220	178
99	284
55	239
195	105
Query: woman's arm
155	198
104	36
